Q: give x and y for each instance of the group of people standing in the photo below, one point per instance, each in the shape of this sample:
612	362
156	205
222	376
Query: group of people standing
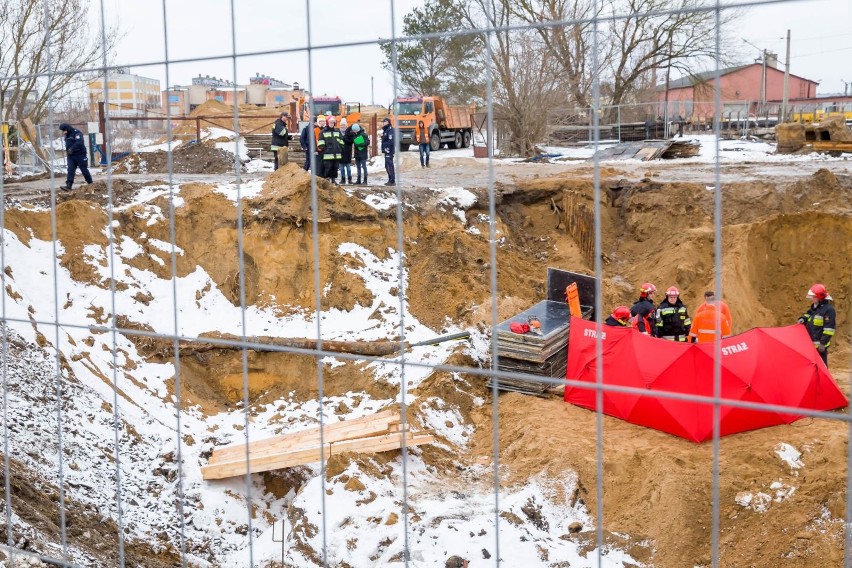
335	147
671	320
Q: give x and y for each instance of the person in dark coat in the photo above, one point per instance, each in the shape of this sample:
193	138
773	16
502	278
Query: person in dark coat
620	317
280	140
330	146
673	321
642	312
649	128
820	320
305	142
346	156
75	149
361	144
388	150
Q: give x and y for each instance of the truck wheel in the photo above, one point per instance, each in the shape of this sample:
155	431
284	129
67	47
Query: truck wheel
435	142
457	141
466	142
404	147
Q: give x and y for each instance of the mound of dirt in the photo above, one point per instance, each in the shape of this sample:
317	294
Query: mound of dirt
777	239
203	158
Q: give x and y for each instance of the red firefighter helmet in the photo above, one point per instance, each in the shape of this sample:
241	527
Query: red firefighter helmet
818	291
621	313
647	288
672	291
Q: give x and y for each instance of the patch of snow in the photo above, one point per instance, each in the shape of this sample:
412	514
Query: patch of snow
789	455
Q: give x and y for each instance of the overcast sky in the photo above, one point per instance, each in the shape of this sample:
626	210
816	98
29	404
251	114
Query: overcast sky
821	40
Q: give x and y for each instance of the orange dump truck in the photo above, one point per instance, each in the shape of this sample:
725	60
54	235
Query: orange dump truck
446	124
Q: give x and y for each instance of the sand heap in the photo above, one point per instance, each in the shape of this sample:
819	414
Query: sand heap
203	158
777	240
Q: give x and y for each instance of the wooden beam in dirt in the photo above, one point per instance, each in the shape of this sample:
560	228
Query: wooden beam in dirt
304	456
378	423
832	146
367	348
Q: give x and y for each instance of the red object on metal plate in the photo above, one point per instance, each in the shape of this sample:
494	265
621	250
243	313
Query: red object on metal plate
516	327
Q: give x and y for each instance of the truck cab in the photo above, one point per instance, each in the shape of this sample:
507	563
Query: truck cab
444	124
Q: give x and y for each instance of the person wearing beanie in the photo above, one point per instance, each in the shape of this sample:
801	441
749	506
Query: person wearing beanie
75	150
388	150
360	143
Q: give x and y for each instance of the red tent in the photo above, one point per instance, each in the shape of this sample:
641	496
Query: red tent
776	365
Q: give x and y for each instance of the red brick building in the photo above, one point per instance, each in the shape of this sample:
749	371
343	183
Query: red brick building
746	89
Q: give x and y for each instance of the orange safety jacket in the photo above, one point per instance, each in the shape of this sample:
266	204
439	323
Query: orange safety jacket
725	310
703	328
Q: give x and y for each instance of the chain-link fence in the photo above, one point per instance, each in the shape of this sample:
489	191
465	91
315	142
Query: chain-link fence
171	329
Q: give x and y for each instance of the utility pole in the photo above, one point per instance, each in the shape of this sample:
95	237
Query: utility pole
786	81
763	85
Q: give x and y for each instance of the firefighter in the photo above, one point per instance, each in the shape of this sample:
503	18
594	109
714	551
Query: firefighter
819	320
330	144
672	319
620	317
642	311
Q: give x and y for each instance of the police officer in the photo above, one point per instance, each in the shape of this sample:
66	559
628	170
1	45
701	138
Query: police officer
819	320
75	149
280	139
673	321
388	150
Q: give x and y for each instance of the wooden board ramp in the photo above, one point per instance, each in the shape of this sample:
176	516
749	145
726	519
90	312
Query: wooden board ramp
378	432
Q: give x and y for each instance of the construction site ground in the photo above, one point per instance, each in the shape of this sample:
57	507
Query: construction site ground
785	225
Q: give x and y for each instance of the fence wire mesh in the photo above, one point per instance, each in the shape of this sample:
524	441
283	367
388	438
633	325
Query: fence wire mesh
141	380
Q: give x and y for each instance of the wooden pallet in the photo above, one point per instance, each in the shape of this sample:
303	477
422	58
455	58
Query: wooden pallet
379	432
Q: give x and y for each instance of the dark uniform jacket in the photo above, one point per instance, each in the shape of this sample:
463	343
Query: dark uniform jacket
74	142
819	321
387	140
330	143
304	137
643	316
615	323
673	321
280	135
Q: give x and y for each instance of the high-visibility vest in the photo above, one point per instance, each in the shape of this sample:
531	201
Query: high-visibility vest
704	325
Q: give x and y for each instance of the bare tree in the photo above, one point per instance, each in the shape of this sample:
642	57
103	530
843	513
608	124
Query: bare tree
526	78
571	44
636	41
664	35
45	50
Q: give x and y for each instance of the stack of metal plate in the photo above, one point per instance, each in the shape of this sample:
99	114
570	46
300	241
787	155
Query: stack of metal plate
542	354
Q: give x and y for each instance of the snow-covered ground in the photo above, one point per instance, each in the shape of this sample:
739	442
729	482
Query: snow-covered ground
156	465
363	522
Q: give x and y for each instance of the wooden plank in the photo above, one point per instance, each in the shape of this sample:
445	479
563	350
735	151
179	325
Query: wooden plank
344	430
311	455
832	146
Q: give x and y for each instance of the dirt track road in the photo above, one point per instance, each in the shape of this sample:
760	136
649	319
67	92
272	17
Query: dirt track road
459	168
